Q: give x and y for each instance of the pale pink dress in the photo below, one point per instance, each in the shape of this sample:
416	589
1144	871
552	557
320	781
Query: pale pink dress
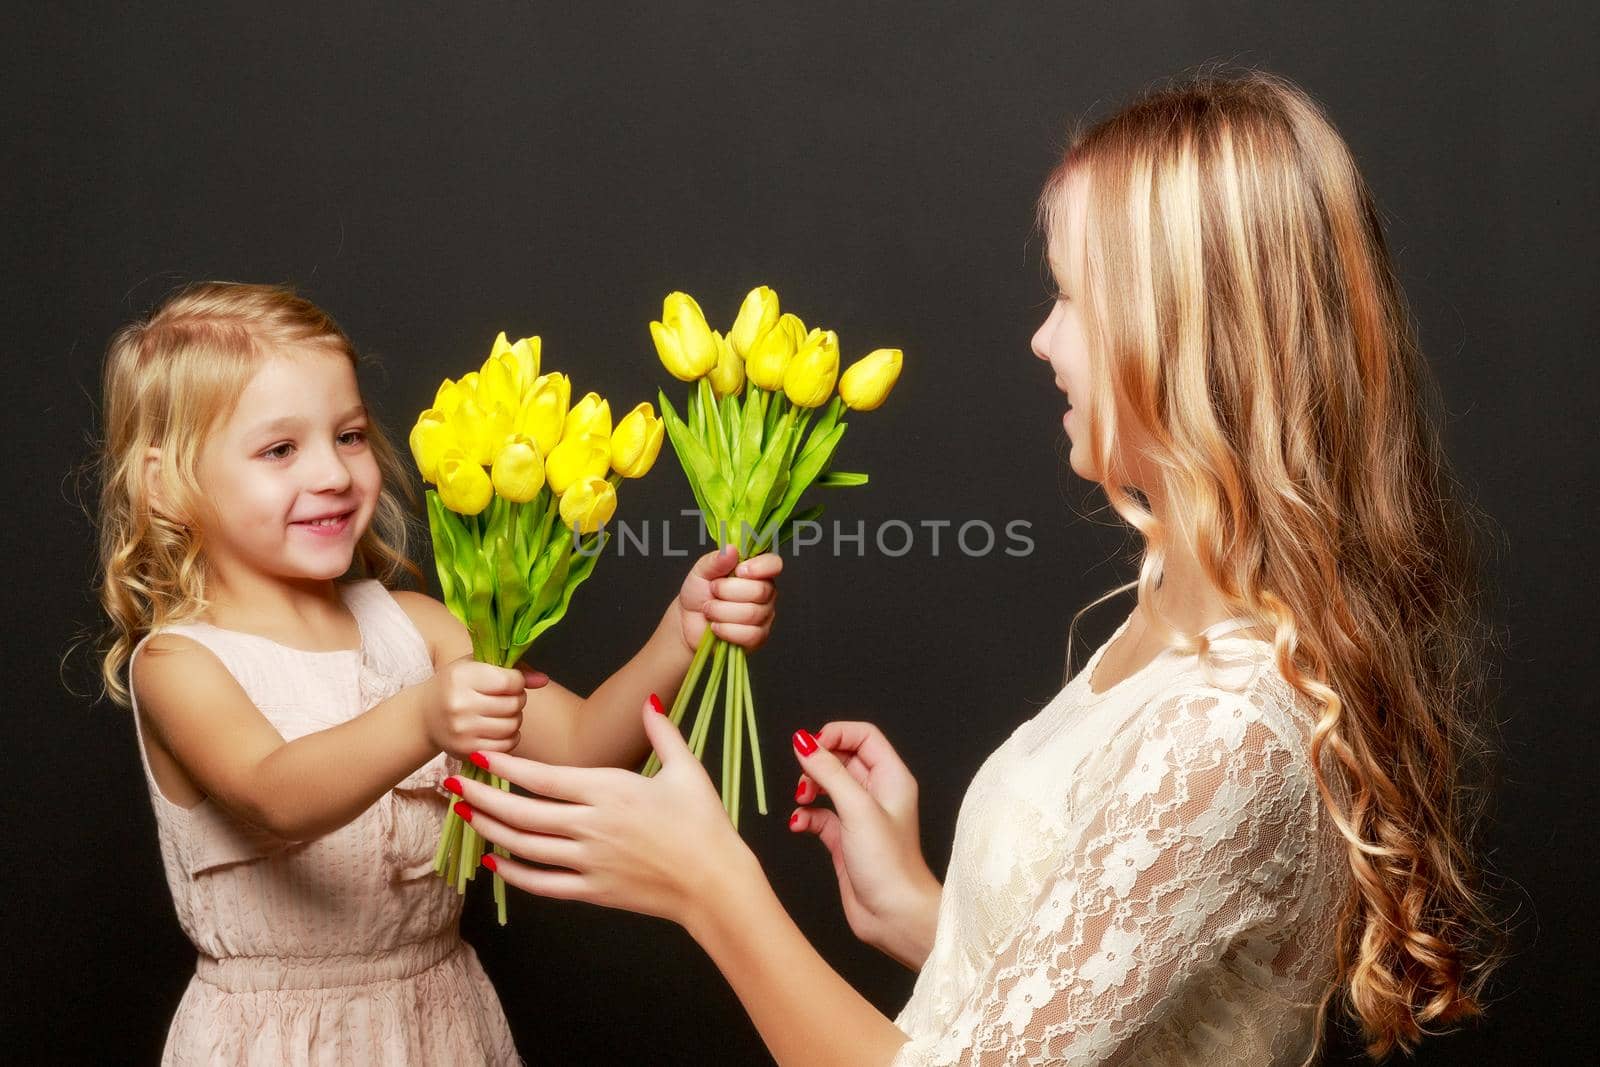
344	949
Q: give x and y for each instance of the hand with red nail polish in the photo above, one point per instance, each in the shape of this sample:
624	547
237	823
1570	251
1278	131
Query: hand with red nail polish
890	897
659	846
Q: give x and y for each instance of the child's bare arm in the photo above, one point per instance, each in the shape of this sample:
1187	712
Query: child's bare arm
315	784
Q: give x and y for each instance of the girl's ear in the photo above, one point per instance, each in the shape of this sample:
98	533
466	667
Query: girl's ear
152	485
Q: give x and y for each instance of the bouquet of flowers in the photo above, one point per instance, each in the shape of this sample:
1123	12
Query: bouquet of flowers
523	482
744	445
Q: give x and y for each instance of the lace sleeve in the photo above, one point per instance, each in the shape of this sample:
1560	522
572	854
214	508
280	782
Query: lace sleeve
1198	837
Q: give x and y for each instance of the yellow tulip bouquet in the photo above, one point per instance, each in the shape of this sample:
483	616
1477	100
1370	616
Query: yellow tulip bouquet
508	457
745	450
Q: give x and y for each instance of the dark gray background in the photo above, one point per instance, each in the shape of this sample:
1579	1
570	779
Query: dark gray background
432	176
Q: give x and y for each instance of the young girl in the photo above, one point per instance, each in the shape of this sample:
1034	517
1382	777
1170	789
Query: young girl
1247	799
296	726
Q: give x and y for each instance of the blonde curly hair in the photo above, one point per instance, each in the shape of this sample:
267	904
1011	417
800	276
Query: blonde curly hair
169	379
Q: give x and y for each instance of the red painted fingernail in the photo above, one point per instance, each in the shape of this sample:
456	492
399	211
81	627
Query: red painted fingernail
800	792
480	759
453	784
804	743
490	862
655	704
794	820
464	810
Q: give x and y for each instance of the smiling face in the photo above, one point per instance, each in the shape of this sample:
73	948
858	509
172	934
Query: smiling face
289	479
1062	339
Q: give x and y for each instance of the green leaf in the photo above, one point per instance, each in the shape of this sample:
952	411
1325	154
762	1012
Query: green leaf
552	571
753	494
522	532
753	423
732	421
825	425
512	592
576	576
711	489
776	404
780	485
794	437
696	419
550	592
805	471
495	518
810	514
716	435
842	478
442	527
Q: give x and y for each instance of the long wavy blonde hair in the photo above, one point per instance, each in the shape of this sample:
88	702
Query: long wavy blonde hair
170	378
1246	319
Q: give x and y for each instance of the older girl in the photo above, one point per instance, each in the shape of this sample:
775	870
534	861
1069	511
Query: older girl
1247	799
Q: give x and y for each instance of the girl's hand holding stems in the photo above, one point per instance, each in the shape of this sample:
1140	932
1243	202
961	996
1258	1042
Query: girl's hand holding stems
663	846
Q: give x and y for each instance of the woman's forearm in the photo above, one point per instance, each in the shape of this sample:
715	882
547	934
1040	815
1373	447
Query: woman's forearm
805	1012
909	938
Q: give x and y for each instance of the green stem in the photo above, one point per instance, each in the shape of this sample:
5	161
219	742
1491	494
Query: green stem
469	857
449	839
703	717
500	883
755	740
680	703
727	735
736	713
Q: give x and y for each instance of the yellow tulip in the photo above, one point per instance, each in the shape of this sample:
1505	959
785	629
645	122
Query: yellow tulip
545	411
500	347
518	472
431	438
637	442
497	384
588	505
577	458
522	357
727	377
448	398
526	354
480	432
865	384
808	381
770	358
757	315
592	414
463	487
683	340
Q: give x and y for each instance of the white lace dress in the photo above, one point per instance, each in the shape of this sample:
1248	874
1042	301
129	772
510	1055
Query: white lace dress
1139	876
